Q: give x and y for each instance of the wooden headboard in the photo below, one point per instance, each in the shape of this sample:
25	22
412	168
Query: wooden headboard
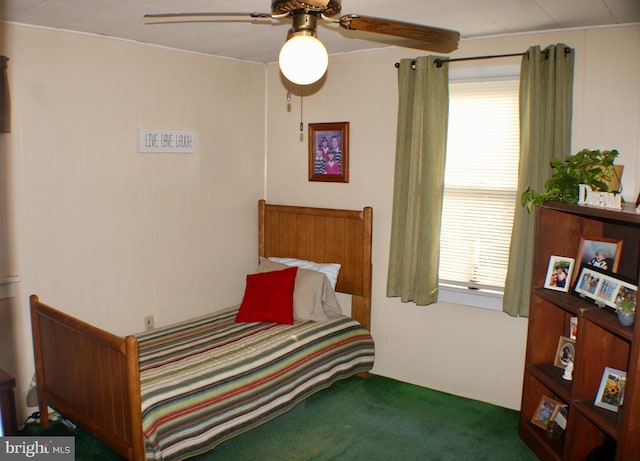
324	235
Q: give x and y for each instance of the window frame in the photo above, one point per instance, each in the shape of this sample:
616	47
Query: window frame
466	296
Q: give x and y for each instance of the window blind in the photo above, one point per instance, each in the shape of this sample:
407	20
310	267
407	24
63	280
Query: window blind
480	183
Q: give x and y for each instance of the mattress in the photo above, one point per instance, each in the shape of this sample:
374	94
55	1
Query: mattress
206	380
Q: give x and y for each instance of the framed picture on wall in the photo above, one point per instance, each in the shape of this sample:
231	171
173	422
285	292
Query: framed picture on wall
329	152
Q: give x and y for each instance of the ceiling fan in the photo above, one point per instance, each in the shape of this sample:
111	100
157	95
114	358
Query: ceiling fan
303	58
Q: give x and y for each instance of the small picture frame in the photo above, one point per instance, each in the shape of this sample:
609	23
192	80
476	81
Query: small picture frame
561	416
602	253
559	273
329	152
611	391
565	352
604	288
573	328
588	282
545	412
628	293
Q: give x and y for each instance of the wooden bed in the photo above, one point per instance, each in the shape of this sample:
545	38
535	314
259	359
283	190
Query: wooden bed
92	377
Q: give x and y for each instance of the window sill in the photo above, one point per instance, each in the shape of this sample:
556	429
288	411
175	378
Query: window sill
471	298
8	286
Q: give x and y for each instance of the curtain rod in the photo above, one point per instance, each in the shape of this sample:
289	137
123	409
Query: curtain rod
439	62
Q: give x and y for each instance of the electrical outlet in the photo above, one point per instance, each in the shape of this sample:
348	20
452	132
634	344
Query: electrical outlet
148	323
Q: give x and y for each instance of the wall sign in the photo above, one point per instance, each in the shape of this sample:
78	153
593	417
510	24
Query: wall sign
166	141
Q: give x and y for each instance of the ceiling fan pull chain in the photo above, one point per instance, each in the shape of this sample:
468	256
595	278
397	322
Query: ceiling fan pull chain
301	100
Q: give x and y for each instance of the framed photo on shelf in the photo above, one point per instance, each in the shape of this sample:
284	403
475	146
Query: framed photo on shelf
573	328
561	416
611	391
329	152
626	294
565	353
603	253
559	273
546	412
604	288
588	282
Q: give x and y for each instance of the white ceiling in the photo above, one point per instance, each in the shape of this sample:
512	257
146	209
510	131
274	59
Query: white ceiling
261	42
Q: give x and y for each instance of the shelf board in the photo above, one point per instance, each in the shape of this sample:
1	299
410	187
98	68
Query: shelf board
567	301
609	321
551	376
577	306
605	419
544	447
626	215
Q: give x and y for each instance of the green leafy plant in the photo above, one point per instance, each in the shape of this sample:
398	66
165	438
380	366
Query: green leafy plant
626	305
591	167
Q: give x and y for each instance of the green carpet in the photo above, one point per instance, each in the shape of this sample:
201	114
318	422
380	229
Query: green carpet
373	418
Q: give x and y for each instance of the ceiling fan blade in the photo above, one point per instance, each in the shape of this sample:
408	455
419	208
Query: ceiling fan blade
208	21
206	14
413	35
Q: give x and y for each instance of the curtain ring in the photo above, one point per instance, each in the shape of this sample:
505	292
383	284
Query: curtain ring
413	65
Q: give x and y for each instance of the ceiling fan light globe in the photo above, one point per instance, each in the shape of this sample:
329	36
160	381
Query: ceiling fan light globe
303	60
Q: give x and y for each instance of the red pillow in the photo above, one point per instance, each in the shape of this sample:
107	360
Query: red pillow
268	297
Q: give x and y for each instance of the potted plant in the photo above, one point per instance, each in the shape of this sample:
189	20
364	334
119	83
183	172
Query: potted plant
626	310
591	167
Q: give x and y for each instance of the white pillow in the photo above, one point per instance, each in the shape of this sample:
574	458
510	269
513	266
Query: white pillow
331	270
313	297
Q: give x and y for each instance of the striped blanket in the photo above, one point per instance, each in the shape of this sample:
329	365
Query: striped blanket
209	379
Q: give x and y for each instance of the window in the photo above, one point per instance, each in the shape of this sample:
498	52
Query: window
480	190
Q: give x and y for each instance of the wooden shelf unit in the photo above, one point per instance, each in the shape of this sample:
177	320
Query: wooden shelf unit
601	340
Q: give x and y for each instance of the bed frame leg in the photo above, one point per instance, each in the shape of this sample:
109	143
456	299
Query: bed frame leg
44	415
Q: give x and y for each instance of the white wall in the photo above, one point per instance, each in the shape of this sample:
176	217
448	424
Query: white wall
112	235
104	232
457	349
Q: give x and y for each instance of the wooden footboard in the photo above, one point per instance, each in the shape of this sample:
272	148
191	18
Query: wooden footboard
89	376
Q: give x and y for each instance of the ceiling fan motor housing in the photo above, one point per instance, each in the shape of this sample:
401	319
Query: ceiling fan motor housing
304	24
328	8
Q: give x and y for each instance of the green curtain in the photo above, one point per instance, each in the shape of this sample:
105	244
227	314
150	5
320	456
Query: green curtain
423	116
546	104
